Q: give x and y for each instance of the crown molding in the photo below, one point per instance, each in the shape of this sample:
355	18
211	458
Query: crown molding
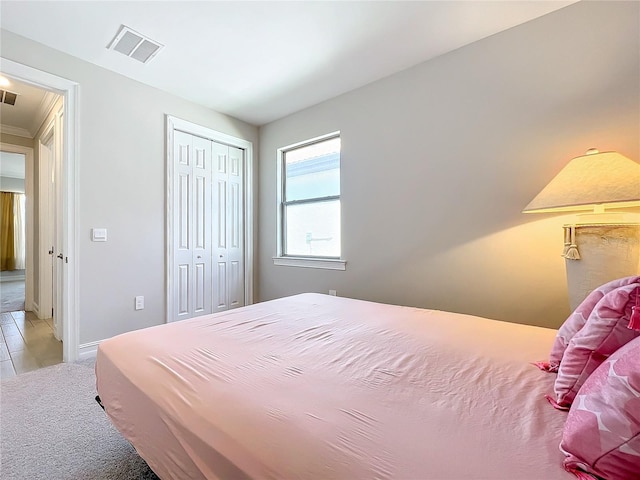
42	113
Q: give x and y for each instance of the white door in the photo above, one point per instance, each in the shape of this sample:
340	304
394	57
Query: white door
192	226
59	263
50	240
228	222
208	227
46	241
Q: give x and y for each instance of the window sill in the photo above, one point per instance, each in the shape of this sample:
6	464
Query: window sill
324	263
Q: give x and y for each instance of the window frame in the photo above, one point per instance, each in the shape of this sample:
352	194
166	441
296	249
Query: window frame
308	261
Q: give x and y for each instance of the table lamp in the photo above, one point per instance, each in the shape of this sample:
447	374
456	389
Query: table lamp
600	245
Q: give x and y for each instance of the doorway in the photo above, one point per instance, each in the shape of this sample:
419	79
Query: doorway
65	295
12	231
28	332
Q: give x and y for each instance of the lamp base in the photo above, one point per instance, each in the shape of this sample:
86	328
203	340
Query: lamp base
607	252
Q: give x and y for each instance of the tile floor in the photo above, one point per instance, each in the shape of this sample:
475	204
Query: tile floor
27	343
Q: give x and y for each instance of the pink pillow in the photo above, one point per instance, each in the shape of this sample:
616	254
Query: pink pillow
606	330
602	432
578	318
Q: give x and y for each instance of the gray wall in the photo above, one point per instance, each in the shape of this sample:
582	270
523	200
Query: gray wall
121	160
439	160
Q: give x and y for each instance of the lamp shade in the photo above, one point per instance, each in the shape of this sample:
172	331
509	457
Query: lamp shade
607	179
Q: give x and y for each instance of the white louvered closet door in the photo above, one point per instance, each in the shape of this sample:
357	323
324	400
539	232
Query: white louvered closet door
192	226
228	232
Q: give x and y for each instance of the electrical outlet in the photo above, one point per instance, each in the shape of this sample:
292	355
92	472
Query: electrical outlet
139	302
332	293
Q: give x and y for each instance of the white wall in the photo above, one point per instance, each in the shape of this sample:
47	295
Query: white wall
9	184
439	160
121	160
15	139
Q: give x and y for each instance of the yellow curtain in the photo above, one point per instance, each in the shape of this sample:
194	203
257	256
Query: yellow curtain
7	233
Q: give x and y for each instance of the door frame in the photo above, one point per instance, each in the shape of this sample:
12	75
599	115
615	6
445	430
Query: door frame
28	191
175	123
68	219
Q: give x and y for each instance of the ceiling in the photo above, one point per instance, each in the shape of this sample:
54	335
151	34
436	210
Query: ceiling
31	107
260	61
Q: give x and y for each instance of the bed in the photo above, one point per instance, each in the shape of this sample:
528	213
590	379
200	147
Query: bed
320	387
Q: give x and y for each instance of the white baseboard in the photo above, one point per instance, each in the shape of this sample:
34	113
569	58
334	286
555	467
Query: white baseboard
35	308
12	278
88	350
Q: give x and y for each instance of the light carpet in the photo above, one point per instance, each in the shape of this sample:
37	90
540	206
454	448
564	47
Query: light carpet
52	428
12	296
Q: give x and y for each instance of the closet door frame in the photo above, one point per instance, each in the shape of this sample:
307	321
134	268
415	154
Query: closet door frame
173	124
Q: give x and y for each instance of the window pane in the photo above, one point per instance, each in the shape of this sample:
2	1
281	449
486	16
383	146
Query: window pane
313	171
313	229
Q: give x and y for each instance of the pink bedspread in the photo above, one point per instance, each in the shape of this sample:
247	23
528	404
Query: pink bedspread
320	387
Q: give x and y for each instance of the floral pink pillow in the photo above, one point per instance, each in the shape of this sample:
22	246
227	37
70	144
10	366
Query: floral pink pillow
606	330
578	319
602	432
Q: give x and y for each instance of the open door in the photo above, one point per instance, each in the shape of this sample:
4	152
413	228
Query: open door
49	220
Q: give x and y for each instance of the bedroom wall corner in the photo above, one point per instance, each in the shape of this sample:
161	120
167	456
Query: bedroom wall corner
439	160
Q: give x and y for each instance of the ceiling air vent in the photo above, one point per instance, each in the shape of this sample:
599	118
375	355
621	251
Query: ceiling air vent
134	45
8	97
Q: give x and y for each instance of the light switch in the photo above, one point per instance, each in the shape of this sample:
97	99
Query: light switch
139	302
99	234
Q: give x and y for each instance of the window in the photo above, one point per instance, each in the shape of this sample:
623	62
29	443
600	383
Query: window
309	204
